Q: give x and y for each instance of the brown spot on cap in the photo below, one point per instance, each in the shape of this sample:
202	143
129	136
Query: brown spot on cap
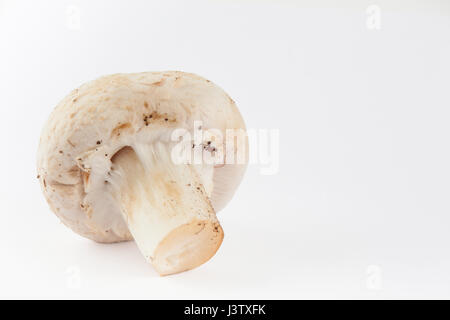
120	127
158	83
71	144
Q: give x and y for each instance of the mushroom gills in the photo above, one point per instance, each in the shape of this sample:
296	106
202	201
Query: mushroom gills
166	207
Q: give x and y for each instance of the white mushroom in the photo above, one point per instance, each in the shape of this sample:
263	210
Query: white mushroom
106	164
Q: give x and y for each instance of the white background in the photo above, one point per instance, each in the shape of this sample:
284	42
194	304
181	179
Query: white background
360	205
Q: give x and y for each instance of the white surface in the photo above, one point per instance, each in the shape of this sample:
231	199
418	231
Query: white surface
359	207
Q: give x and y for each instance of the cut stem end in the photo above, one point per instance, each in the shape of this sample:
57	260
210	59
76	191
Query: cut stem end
187	247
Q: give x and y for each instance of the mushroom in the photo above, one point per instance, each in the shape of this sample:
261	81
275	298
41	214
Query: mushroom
106	164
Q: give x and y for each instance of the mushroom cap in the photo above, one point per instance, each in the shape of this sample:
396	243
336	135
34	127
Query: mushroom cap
90	125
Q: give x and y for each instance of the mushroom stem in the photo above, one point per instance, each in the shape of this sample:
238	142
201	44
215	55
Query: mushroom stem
166	208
